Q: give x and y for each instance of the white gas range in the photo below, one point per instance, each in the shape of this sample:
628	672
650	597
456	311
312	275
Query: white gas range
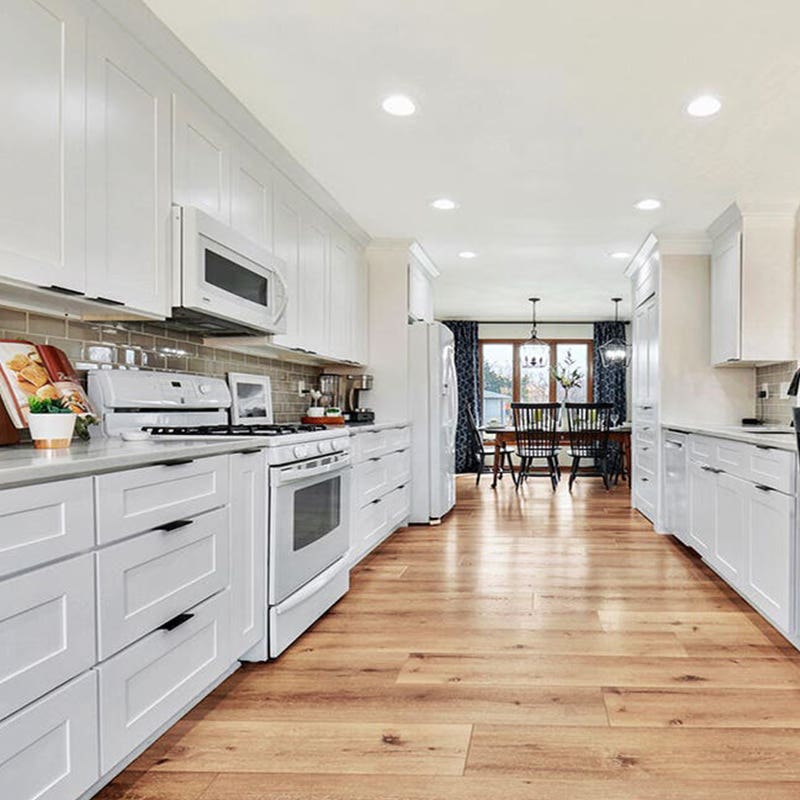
308	491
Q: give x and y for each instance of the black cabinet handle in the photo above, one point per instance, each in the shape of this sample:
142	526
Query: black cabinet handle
63	290
765	447
251	450
108	301
177	462
175	526
175	622
375	502
645	480
762	488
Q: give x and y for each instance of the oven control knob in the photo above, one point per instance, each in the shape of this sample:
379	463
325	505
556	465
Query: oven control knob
324	447
300	451
337	444
204	388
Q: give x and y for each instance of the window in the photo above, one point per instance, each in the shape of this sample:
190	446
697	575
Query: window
513	371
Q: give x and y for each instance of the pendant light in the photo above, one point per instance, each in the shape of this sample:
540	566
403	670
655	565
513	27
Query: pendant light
615	352
534	361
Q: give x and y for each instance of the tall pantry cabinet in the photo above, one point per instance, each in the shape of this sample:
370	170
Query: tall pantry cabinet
673	381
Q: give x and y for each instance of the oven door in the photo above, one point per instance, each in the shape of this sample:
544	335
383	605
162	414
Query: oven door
309	521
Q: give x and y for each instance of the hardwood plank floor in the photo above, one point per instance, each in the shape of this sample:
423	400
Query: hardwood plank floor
532	646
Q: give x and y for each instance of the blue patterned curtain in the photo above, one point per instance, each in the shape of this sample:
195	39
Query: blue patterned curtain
467	366
609	382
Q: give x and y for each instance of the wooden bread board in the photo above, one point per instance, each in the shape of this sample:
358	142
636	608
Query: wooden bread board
322	420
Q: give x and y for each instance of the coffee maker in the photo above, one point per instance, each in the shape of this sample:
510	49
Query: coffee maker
330	387
356	412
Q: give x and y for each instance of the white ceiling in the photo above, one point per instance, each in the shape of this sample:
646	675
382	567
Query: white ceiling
546	120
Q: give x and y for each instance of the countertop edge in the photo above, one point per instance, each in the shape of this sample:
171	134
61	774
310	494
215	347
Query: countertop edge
779	442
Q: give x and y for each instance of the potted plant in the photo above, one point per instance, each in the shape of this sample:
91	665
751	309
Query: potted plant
568	376
51	423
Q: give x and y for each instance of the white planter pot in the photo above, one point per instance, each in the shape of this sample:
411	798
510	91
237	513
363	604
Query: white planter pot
51	431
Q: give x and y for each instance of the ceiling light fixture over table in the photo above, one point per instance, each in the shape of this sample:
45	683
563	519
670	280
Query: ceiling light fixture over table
534	360
615	352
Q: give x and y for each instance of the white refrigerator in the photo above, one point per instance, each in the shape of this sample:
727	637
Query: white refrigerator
434	414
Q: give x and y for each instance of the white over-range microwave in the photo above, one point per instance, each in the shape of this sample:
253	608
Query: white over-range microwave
223	282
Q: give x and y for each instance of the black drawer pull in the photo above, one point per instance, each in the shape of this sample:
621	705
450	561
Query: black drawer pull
108	301
765	447
175	622
64	290
251	450
375	502
645	480
177	462
762	488
174	526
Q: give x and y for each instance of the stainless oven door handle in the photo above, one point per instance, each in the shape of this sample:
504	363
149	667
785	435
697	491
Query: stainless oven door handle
311	588
295	475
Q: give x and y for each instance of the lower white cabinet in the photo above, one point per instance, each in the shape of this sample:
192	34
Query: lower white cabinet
248	512
743	529
770	531
144	686
147	580
47	626
48	751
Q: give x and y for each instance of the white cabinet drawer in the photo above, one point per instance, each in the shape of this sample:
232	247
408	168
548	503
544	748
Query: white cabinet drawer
48	751
768	466
372	524
144	686
645	433
368	444
398	507
645	455
701	448
46	630
397	438
44	522
147	580
398	469
142	499
371	480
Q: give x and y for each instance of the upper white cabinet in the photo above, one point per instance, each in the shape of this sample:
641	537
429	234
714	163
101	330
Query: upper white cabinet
251	195
420	292
128	178
286	215
314	303
203	147
753	285
42	144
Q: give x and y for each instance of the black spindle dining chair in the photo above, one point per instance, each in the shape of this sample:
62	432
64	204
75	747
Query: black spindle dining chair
535	425
589	425
480	447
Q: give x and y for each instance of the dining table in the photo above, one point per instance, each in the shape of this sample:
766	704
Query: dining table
505	435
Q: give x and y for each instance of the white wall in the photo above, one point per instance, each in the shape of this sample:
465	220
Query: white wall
513	330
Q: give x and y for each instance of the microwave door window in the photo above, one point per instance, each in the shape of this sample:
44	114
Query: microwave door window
235	279
317	511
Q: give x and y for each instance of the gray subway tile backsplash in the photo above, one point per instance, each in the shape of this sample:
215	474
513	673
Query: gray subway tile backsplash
138	345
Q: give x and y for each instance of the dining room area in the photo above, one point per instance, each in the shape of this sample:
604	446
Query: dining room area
544	401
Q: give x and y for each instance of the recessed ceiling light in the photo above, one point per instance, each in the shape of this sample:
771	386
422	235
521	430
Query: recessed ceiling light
467	254
398	105
444	204
648	204
621	255
706	105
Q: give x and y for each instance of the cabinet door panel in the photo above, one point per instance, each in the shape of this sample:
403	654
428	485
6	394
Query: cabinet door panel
42	151
770	530
314	286
202	159
248	510
286	228
726	286
342	300
730	539
702	509
129	174
251	200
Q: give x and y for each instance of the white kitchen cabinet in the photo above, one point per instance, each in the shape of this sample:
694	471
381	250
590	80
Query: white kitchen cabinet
753	285
42	142
48	751
47	626
360	352
252	195
45	522
770	531
202	147
341	298
314	283
729	556
146	684
142	499
129	174
420	293
248	535
702	508
145	581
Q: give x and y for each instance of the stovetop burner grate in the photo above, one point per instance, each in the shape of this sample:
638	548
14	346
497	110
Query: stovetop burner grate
231	430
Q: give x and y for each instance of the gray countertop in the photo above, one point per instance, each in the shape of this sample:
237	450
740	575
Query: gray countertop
22	464
780	441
